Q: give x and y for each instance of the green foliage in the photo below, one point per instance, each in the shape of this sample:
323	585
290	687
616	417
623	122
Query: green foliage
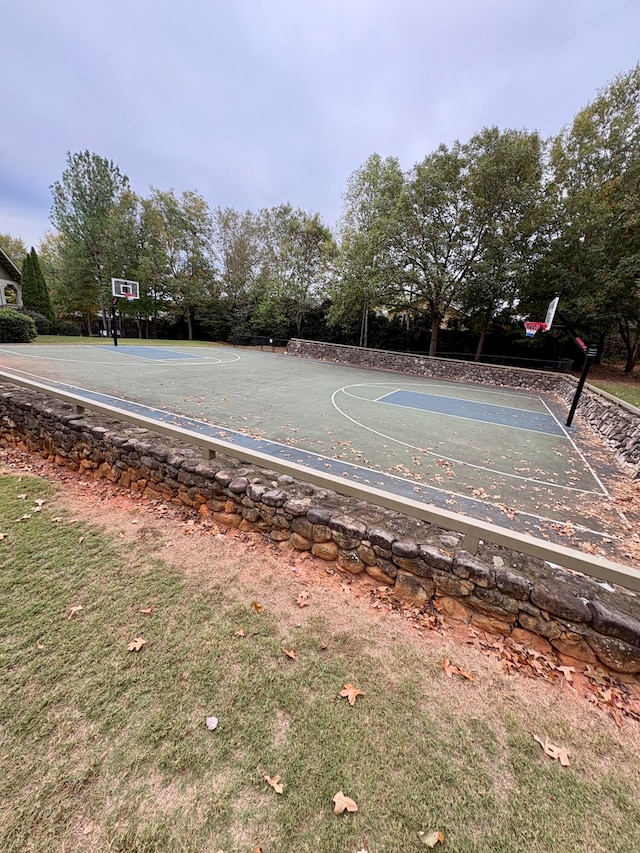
43	325
14	247
35	293
16	327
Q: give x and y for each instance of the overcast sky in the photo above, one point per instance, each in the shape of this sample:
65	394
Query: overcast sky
257	102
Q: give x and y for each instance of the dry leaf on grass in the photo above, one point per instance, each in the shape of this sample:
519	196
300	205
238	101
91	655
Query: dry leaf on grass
39	645
239	632
22	497
430	839
136	644
257	607
351	693
211	723
39	501
3	536
88	828
451	669
342	803
291	653
80	540
147	609
275	783
303	599
73	610
555	752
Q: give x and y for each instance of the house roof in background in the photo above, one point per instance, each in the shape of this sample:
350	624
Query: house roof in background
10	267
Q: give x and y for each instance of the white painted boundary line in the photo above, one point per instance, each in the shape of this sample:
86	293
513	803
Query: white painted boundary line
522	543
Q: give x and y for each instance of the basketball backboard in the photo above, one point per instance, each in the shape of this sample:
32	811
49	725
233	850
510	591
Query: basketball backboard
551	313
121	287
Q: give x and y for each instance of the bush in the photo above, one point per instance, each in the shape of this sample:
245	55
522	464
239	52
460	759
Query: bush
65	327
16	328
43	325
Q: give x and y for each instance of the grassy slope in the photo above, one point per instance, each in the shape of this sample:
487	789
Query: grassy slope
106	749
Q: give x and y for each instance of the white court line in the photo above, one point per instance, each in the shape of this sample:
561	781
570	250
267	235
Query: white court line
586	462
447	386
451	458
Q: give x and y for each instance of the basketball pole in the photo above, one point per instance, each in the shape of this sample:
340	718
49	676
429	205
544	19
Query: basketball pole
591	354
114	331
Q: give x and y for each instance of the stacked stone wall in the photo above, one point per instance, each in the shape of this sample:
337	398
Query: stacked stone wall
617	423
425	567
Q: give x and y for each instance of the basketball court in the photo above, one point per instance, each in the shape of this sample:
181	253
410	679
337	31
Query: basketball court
498	455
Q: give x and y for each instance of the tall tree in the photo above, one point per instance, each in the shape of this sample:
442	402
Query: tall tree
187	231
594	256
367	276
82	202
505	180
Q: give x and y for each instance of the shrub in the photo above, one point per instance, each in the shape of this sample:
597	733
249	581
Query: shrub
64	327
42	323
16	328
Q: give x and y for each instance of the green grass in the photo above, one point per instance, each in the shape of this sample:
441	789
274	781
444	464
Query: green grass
79	339
627	391
93	735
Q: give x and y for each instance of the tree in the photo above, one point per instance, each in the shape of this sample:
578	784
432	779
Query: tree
82	202
297	252
35	293
367	278
594	254
505	180
186	229
439	235
14	247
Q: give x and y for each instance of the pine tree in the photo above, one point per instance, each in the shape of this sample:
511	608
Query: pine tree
29	284
44	299
35	293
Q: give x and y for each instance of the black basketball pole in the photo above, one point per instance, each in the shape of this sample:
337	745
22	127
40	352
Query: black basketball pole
114	331
591	354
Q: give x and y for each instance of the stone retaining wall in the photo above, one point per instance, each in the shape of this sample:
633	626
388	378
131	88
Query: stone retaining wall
616	422
497	590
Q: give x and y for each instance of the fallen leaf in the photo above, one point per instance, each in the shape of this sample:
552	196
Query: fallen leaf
257	607
39	645
136	644
303	599
275	783
258	850
73	610
147	609
239	632
555	752
39	502
430	839
81	540
342	803
566	671
23	517
3	536
22	497
88	828
291	653
211	723
451	669
351	693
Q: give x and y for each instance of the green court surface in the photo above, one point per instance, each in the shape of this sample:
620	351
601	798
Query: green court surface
496	454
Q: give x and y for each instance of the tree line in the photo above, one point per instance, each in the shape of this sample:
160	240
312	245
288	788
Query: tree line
485	231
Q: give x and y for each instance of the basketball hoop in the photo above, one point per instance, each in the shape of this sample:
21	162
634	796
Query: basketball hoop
532	326
129	297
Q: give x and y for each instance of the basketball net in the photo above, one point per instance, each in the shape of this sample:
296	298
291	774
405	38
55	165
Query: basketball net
532	326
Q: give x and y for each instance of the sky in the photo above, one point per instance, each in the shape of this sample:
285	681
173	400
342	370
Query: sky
254	103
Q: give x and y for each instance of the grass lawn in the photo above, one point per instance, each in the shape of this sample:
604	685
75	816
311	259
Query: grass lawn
627	391
107	749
